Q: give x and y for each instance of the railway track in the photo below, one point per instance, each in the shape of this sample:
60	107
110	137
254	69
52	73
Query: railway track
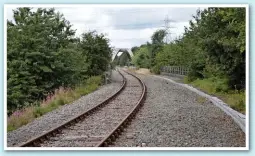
100	125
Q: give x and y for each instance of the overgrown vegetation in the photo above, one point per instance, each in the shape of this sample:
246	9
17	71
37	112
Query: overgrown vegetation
43	55
45	58
219	88
212	48
60	97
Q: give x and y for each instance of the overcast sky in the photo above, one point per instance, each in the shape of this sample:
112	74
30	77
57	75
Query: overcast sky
125	26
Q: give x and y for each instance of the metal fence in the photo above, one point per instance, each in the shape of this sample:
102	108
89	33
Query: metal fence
175	70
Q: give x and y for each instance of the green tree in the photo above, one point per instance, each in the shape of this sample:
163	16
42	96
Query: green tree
212	46
33	43
134	49
223	33
157	44
97	50
142	58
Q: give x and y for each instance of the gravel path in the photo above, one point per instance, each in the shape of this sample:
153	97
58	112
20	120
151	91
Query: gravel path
63	113
90	131
173	116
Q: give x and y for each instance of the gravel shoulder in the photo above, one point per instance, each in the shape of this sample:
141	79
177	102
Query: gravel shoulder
173	116
63	113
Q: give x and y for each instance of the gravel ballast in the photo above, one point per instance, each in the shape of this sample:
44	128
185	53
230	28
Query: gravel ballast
64	113
173	116
95	127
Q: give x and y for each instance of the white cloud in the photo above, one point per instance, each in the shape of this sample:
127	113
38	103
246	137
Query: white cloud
125	26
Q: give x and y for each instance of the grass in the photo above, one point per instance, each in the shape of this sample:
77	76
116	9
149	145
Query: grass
60	97
218	87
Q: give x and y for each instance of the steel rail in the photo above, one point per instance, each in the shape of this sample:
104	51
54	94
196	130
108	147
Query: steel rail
35	141
111	137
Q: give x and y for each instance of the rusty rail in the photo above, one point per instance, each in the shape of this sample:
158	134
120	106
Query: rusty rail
35	141
111	137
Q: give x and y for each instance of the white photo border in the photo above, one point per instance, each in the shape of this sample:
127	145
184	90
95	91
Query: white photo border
128	148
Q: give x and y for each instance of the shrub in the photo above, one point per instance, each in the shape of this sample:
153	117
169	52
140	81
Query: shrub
142	58
94	80
60	97
221	85
155	69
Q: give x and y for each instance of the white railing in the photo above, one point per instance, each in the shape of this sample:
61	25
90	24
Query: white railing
175	70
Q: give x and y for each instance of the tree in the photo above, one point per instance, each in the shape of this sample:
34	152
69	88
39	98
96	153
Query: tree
225	43
212	46
142	59
158	37
97	50
33	43
157	43
134	49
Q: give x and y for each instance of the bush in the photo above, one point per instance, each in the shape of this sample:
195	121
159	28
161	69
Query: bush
155	69
142	58
94	80
222	85
196	71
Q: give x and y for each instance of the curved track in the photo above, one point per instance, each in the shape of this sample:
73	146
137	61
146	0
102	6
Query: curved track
100	125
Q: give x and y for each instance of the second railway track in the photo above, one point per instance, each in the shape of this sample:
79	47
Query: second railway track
100	125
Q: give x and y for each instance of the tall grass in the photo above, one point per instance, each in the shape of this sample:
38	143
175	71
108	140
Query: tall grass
218	87
61	96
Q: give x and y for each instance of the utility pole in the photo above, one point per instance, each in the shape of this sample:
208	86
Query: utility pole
167	28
